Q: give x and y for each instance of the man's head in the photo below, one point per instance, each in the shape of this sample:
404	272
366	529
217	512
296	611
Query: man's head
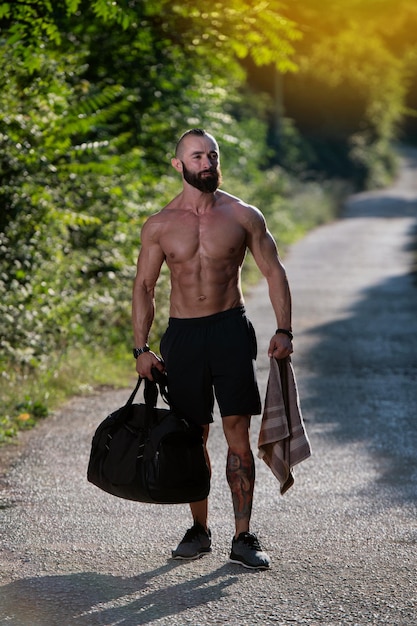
197	159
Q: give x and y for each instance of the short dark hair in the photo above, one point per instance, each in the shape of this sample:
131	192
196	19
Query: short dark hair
199	132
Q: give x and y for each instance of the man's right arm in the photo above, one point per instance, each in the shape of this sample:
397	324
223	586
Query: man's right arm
149	265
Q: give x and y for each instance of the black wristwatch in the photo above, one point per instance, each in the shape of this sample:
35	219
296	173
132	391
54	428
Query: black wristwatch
138	351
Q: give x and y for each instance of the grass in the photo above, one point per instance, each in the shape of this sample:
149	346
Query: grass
80	373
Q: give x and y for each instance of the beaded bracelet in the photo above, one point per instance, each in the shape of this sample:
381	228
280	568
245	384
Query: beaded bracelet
284	331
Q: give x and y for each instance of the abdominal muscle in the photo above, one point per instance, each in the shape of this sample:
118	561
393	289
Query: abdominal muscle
198	291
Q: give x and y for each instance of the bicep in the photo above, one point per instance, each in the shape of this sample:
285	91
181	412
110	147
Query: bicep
263	247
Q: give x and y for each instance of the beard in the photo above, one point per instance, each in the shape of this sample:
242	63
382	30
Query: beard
202	181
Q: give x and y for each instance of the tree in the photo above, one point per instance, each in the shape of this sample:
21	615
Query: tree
348	100
92	93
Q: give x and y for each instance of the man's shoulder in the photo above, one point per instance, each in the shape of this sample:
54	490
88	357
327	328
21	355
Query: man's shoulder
239	206
229	198
163	215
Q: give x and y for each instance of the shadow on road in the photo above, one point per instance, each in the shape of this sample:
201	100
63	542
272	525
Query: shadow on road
86	599
363	384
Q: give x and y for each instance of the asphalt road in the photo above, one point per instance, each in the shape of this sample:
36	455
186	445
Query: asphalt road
343	540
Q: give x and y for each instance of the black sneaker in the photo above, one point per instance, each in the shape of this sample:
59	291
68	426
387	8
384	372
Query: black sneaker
247	551
196	542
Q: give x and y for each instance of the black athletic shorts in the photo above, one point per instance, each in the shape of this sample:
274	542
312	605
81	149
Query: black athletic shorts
214	352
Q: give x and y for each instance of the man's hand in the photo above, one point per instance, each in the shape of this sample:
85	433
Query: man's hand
280	346
145	362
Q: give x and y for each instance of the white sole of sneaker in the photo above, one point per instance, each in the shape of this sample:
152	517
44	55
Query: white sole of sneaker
262	567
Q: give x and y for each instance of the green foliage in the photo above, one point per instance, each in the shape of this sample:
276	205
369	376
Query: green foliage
91	100
356	75
362	80
228	27
51	214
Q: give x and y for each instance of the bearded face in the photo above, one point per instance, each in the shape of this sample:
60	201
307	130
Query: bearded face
207	181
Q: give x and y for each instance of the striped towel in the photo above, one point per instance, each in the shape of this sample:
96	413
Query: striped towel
283	441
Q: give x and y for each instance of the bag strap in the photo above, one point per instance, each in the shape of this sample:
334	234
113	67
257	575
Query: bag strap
150	393
134	392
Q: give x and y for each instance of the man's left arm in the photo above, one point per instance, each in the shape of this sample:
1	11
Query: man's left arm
264	250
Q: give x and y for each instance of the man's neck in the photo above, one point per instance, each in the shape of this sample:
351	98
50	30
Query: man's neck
198	201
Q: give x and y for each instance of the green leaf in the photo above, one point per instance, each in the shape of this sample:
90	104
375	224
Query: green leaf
5	9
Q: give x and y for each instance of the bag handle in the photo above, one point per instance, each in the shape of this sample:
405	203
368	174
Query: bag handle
151	390
134	392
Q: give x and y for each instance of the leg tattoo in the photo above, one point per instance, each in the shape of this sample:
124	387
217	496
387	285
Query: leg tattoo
240	472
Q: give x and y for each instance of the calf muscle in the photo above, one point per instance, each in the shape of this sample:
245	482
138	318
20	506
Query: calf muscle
240	473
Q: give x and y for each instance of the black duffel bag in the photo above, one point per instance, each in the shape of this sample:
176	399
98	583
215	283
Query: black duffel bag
149	454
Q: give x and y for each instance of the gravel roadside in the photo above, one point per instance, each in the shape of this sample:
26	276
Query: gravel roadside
342	540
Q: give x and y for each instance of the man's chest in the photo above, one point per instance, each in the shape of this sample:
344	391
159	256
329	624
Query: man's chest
206	236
